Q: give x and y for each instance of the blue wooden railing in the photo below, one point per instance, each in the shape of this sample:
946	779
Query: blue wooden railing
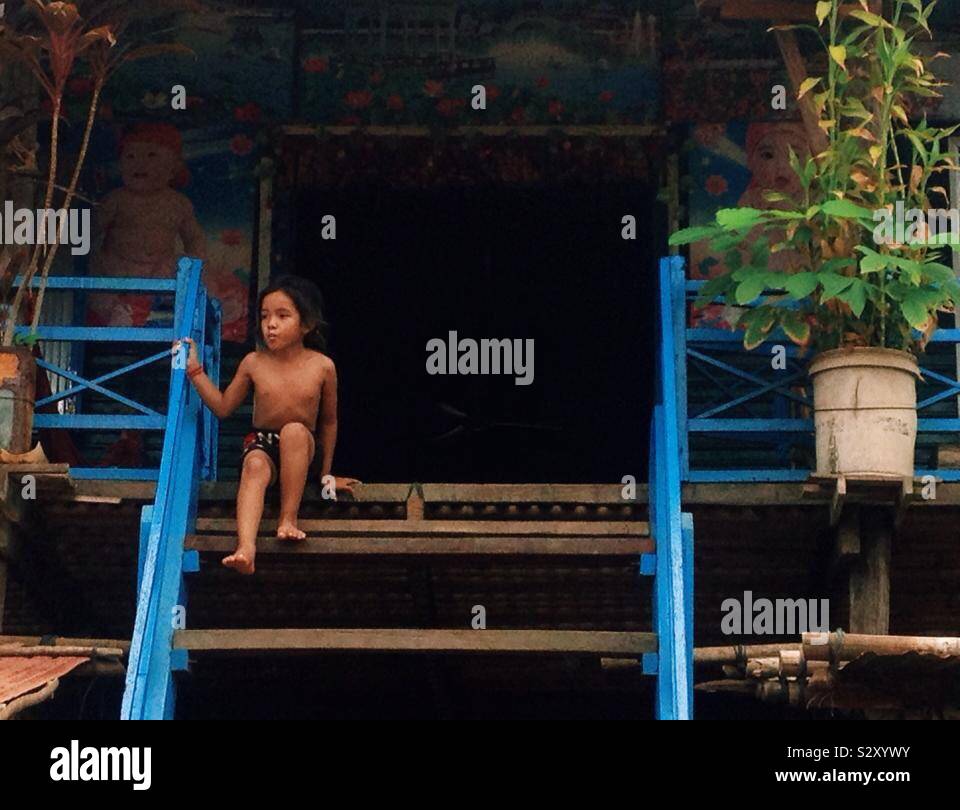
673	531
189	450
736	395
146	417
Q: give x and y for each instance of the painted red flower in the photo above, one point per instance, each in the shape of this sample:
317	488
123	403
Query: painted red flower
231	236
606	96
554	109
449	106
376	77
716	185
432	88
394	102
358	99
241	145
80	86
493	92
248	113
316	64
517	115
543	82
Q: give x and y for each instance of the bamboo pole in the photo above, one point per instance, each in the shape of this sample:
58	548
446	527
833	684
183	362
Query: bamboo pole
729	654
847	646
60	652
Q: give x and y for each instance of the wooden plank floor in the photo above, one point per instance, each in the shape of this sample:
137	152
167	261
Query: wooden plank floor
435	545
605	643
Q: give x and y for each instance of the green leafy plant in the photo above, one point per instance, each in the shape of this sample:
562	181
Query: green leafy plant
848	283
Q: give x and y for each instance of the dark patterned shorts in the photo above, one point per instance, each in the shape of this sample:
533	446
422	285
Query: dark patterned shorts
266	440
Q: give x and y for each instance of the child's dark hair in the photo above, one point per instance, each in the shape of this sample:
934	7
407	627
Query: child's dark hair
307	299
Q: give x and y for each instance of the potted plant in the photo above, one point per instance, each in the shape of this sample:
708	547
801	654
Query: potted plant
861	294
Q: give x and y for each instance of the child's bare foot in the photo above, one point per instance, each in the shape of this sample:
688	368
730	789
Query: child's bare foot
240	561
287	530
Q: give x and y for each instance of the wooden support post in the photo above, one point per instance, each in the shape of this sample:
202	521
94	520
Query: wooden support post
868	587
846	542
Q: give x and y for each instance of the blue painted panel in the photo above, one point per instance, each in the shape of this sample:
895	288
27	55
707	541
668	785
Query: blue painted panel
191	561
733	476
686	523
99	421
124	334
678	315
103	283
115	473
749	425
146	516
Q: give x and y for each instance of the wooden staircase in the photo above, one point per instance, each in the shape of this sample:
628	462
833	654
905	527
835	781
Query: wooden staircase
442	522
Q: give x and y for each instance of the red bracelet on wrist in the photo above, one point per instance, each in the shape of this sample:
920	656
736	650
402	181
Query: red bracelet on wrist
195	372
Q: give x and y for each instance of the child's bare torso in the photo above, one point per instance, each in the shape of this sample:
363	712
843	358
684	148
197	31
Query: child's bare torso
287	392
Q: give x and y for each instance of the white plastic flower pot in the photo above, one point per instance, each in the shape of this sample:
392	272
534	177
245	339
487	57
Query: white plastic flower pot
865	411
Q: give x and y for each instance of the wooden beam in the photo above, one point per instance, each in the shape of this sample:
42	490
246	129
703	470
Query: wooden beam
60	641
775	11
493	130
453	528
846	542
51	651
526	493
435	545
568	642
869	584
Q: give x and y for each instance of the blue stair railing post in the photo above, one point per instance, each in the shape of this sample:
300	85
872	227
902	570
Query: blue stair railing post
677	303
672	529
149	690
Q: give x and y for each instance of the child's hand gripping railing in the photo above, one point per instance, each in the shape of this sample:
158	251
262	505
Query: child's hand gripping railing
189	451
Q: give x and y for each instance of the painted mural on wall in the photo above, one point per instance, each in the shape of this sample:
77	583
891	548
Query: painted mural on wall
162	193
734	164
544	63
170	178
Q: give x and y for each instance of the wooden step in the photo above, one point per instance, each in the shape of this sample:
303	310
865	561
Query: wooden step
458	528
442	537
603	643
435	545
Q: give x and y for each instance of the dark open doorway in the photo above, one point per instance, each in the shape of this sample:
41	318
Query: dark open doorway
547	263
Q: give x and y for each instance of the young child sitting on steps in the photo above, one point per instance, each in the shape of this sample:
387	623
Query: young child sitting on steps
294	382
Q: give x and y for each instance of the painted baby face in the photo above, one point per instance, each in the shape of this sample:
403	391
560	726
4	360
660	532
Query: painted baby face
147	167
770	162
